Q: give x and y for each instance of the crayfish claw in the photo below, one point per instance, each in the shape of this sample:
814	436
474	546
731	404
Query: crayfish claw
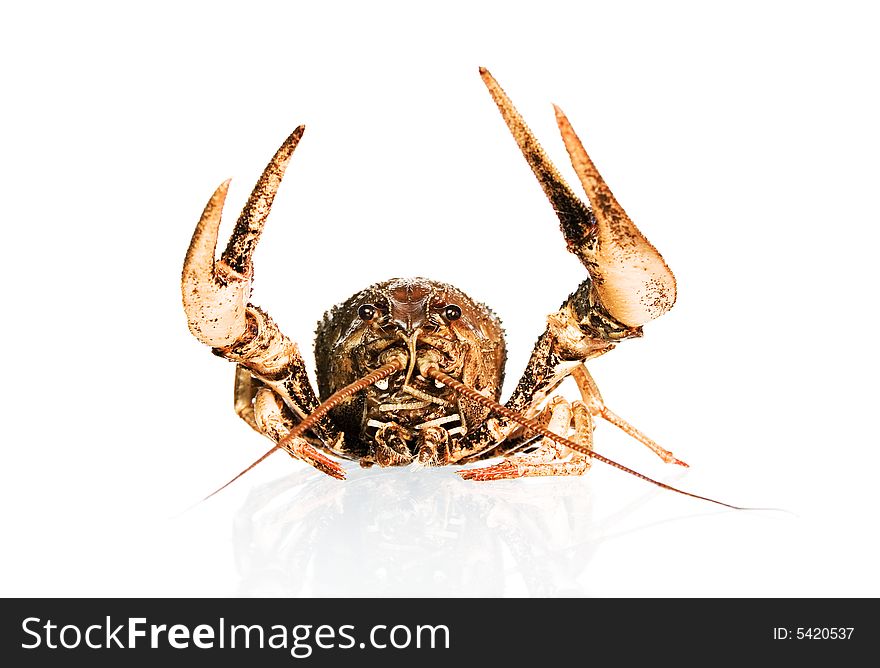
633	282
243	241
216	292
214	296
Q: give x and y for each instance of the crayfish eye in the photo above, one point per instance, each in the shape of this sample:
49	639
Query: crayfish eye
452	312
366	311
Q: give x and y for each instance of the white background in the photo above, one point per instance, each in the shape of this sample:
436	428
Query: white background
742	140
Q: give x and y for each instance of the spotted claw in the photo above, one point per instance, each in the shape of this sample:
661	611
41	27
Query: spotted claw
216	292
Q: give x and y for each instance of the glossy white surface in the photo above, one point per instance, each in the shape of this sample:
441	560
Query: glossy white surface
743	142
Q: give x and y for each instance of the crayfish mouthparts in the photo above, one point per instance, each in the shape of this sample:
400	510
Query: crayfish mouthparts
412	359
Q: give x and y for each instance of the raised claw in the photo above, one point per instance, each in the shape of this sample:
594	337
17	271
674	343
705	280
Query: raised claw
214	296
215	292
633	282
636	285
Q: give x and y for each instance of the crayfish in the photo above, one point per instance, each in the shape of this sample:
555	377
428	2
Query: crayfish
410	370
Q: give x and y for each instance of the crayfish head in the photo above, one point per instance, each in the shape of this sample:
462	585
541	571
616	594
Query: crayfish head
419	322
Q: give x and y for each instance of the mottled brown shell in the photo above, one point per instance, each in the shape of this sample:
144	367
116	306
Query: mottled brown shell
408	313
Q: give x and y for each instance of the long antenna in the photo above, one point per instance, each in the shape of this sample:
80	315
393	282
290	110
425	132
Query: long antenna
434	372
332	402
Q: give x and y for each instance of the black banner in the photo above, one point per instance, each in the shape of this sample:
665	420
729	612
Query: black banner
42	632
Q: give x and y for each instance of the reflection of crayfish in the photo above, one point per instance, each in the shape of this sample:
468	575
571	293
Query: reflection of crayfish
410	370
